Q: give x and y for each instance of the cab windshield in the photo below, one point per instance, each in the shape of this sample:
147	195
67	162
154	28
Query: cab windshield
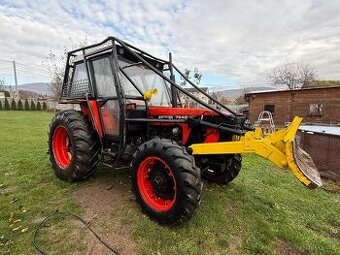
145	79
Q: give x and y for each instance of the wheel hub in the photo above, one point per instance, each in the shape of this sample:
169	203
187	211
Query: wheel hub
156	183
162	182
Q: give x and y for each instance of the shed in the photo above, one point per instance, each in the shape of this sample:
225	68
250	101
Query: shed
315	105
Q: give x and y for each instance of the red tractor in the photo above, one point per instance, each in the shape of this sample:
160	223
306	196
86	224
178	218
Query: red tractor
132	115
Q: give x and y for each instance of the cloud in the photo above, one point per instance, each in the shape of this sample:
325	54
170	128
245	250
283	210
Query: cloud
238	41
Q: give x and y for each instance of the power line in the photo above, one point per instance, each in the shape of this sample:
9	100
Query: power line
3	68
30	67
32	70
8	61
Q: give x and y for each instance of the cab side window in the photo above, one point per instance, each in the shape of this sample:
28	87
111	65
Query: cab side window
104	79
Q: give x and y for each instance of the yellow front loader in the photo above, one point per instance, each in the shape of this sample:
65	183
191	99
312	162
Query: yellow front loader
279	147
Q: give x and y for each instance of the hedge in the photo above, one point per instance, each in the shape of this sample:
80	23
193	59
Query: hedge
38	106
13	105
32	106
20	106
27	106
7	105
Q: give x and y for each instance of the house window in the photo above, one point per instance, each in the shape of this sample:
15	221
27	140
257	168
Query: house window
315	109
269	108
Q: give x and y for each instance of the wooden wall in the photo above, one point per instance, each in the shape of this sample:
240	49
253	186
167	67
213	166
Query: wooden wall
296	103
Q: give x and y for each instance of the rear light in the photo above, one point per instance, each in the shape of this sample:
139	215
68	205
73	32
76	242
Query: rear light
131	106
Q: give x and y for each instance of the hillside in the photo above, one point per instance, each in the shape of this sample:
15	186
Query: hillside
40	88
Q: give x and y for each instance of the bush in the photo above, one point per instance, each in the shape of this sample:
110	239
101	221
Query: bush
13	105
38	106
7	105
32	106
27	106
0	105
44	107
20	106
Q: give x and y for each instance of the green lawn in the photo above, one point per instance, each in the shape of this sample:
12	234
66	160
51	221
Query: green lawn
264	211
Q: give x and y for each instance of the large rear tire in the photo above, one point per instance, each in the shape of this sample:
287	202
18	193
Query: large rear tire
73	146
166	182
232	165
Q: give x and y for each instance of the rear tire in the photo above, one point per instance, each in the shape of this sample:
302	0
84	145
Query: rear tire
166	182
73	146
232	169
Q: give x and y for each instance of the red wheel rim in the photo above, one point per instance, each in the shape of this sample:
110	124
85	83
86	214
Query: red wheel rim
147	188
61	146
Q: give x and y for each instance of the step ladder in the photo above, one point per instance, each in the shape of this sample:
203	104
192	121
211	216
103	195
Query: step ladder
266	122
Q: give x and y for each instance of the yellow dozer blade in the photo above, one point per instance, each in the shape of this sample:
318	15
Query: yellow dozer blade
279	147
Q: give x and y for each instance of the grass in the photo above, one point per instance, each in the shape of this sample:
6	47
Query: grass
264	211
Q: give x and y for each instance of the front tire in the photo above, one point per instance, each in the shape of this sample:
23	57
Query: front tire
166	182
73	146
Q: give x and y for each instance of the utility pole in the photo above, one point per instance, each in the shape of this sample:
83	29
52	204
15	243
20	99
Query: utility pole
15	79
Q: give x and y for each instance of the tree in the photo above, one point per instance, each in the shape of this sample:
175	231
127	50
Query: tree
38	106
13	105
293	75
56	64
241	99
2	84
32	106
214	95
225	100
27	106
0	105
7	105
56	71
197	76
20	106
44	106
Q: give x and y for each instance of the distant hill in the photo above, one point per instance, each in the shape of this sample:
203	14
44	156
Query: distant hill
235	93
322	83
40	88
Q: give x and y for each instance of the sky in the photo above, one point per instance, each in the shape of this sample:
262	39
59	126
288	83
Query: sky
233	43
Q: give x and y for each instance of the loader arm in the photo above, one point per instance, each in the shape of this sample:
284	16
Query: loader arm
279	147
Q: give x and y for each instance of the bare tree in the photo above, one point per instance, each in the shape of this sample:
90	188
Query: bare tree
241	98
197	76
294	75
2	84
56	67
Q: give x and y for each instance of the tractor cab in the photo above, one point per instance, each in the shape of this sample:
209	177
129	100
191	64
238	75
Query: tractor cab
122	89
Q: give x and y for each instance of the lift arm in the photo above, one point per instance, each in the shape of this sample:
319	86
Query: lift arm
279	147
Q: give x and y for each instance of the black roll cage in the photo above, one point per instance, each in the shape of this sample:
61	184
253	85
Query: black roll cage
138	55
115	48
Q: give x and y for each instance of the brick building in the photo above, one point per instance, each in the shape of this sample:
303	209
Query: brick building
315	105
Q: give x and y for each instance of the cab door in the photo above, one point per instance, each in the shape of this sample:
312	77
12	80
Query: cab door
107	99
